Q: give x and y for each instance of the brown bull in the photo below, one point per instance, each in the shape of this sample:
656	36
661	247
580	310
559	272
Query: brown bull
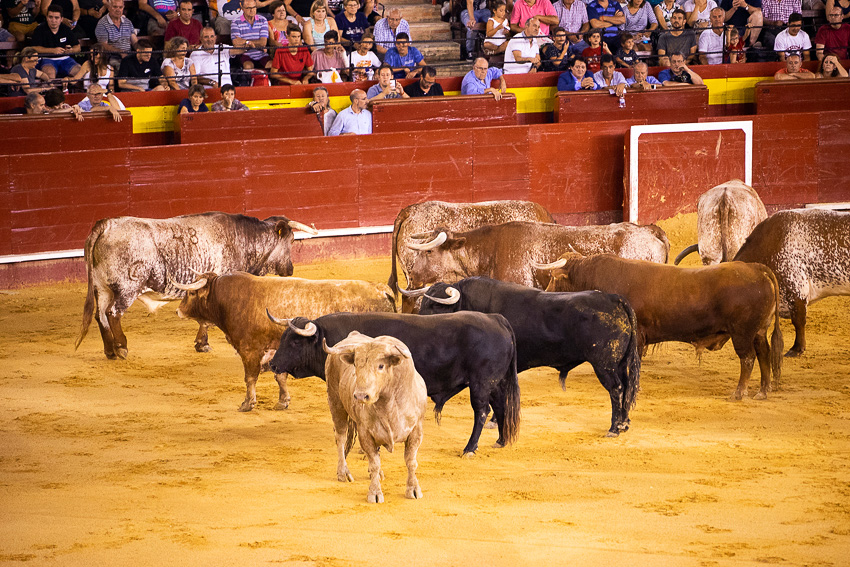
425	217
701	306
238	303
507	251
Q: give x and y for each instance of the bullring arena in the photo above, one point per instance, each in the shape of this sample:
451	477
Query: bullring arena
147	461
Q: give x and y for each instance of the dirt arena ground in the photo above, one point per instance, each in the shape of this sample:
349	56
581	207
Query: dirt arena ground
147	462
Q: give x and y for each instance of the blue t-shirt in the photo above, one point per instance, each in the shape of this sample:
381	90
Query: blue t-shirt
594	10
185	103
352	31
394	60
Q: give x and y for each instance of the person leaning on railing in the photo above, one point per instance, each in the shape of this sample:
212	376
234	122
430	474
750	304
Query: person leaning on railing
830	68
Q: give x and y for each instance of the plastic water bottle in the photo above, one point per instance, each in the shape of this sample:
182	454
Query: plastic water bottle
622	102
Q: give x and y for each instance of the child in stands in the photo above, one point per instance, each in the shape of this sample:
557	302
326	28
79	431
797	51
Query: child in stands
594	53
626	55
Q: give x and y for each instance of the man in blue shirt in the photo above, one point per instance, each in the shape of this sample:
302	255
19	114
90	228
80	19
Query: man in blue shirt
404	58
641	80
478	80
608	16
355	119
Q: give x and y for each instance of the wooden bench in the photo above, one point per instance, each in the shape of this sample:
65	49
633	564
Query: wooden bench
440	113
200	127
779	97
662	106
24	134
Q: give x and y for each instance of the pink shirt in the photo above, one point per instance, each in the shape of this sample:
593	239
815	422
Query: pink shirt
523	11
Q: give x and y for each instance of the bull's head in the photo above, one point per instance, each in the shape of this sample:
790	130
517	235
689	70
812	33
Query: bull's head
443	257
374	364
194	304
440	298
300	350
545	275
279	259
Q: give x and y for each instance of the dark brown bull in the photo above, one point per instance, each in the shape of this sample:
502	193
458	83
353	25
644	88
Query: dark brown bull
129	258
507	251
701	306
237	304
424	217
809	251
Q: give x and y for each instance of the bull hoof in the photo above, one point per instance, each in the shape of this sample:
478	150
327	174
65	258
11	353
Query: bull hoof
737	396
793	353
281	405
375	498
111	356
612	434
247	406
413	492
203	348
491	425
121	352
468	455
498	445
345	476
760	396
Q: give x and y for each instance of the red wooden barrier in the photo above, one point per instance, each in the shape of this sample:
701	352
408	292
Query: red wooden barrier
777	97
201	127
662	106
439	113
24	134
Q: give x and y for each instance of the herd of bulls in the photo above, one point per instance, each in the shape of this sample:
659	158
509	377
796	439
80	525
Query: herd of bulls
476	274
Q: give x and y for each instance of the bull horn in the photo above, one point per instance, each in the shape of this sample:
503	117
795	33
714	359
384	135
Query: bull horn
573	250
559	263
441	238
420	235
453	297
413	293
333	350
686	252
189	287
295	225
275	320
308	331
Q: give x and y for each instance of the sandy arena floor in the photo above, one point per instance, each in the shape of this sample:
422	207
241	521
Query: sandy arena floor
147	462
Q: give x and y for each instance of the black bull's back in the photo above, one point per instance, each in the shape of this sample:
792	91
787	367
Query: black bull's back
561	330
451	352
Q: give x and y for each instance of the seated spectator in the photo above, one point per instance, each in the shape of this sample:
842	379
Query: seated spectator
228	100
251	32
712	40
572	16
21	15
70	11
679	40
387	87
427	84
606	16
640	23
91	11
30	76
364	61
793	39
522	55
641	80
679	74
212	60
194	101
293	64
161	12
185	25
94	102
542	10
322	107
698	13
352	24
369	9
626	55
355	119
387	29
96	69
318	25
471	17
555	56
735	51
499	29
54	103
331	62
5	35
793	69
279	22
578	78
406	60
115	32
833	38
178	69
34	104
830	68
56	43
139	73
593	53
664	13
479	79
608	78
776	15
843	4
746	15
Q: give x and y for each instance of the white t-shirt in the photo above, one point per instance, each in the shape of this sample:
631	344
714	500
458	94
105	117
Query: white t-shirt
369	62
207	64
787	42
703	16
711	45
527	49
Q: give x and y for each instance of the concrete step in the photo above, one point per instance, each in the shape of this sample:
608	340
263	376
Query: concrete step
453	68
415	12
439	51
430	31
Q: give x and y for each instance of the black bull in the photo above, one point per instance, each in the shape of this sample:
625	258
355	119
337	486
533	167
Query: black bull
560	330
451	352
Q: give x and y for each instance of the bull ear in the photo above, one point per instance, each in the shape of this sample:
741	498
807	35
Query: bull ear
455	243
393	360
282	228
347	358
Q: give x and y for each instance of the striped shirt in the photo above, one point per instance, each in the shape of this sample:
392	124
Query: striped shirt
385	36
118	37
572	18
251	32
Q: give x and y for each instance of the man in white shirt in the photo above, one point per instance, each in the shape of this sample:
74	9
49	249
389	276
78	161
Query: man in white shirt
793	39
523	52
711	40
208	61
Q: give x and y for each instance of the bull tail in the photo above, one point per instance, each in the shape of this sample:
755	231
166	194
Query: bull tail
88	307
352	436
393	281
777	344
509	388
630	363
686	252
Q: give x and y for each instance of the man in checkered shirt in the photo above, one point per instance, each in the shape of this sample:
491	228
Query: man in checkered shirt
572	16
776	14
386	29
